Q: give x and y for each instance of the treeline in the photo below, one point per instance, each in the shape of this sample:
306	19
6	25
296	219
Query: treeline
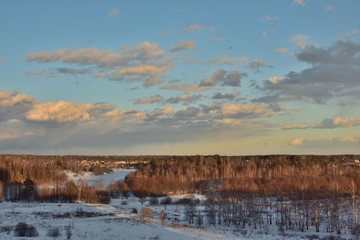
273	175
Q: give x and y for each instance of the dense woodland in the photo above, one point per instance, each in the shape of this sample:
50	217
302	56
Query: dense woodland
274	175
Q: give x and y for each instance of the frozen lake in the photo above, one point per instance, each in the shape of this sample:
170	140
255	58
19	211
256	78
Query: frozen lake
116	175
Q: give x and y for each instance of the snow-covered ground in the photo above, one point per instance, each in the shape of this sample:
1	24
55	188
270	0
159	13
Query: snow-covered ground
116	175
116	221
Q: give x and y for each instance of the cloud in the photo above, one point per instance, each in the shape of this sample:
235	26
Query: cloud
153	99
339	122
299	40
268	18
178	10
100	75
63	111
227	96
215	39
264	34
299	2
329	123
125	115
257	64
333	72
165	34
73	71
348	103
225	60
1	61
186	97
348	139
14	105
113	13
140	53
152	81
223	77
149	70
293	127
183	45
297	141
185	87
275	79
165	112
348	34
329	8
281	50
44	74
193	28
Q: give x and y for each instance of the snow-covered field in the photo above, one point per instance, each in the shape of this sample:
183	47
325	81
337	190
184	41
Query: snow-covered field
117	220
117	174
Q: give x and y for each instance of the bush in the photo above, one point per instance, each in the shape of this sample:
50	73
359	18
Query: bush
68	232
24	230
166	201
154	201
53	232
6	229
146	213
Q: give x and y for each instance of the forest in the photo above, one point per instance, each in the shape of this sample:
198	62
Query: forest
291	191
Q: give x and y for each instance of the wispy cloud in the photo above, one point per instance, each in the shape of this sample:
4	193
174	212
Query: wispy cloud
193	28
268	18
281	50
113	13
153	99
183	45
185	87
299	2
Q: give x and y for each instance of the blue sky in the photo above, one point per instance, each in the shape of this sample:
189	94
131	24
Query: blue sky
189	77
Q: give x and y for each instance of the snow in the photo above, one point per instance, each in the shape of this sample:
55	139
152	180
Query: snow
115	221
90	178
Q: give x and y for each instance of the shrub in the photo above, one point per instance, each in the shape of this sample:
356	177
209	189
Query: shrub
68	232
154	201
24	230
146	213
53	232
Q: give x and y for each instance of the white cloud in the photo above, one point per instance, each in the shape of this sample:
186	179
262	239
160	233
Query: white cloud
100	75
152	81
300	41
257	64
153	99
225	60
299	2
329	8
275	79
281	50
223	77
183	45
349	34
297	141
150	70
193	28
348	139
113	13
63	111
165	34
185	87
141	52
268	18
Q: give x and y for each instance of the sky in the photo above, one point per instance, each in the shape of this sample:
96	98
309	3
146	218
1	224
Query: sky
180	77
